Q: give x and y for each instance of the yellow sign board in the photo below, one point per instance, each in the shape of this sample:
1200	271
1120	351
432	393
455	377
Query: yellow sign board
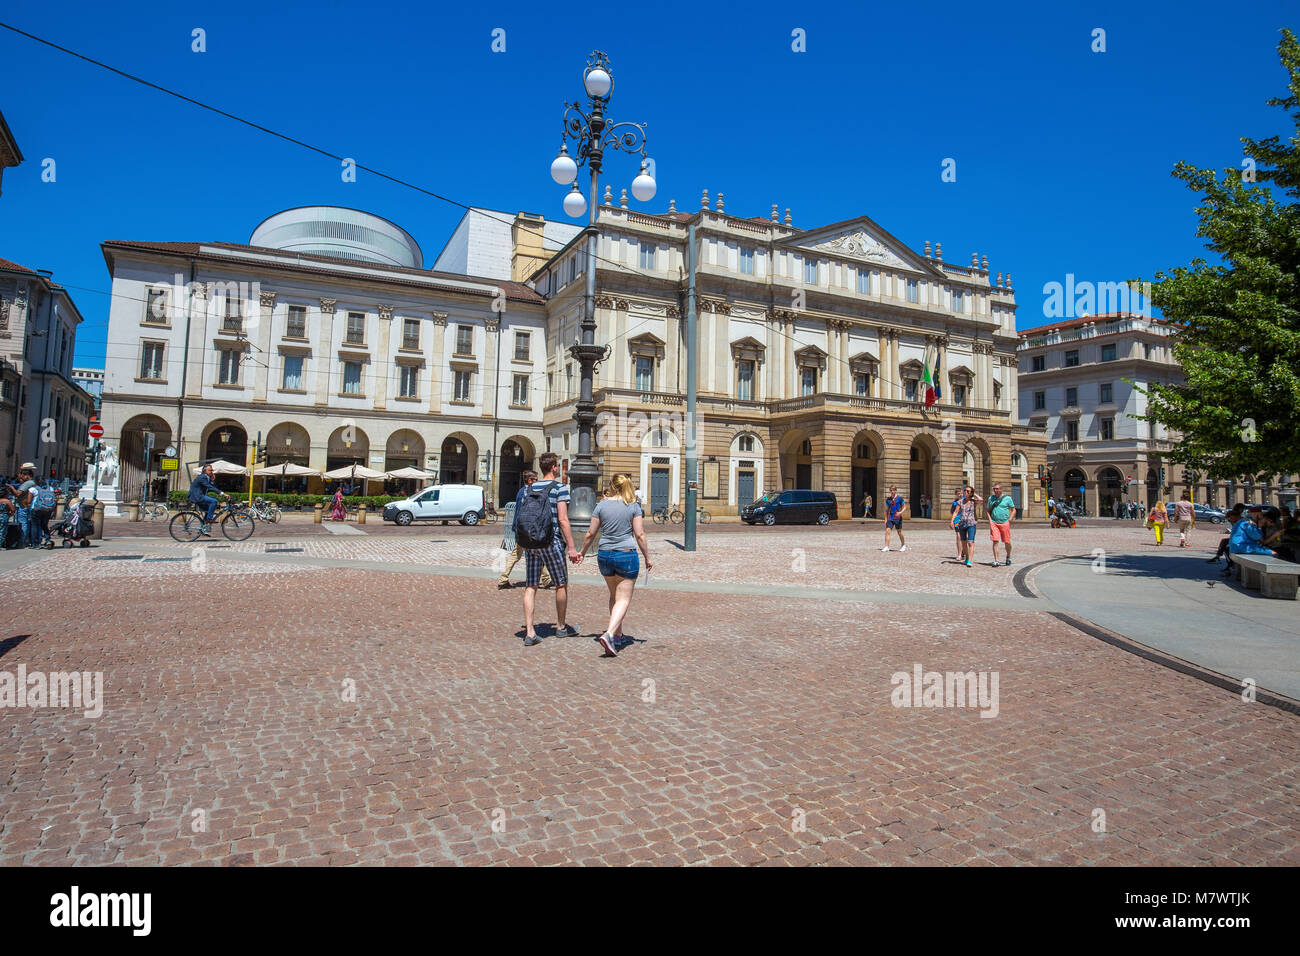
169	464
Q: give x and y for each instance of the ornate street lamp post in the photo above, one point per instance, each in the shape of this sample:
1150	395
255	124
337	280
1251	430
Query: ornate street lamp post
592	134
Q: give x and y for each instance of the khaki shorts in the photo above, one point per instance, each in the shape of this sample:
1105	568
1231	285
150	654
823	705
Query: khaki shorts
1000	532
1185	525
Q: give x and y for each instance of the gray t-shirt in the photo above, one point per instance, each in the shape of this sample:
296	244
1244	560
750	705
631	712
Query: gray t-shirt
26	486
616	524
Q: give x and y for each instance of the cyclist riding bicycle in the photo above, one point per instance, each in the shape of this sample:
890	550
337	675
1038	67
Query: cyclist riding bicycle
199	489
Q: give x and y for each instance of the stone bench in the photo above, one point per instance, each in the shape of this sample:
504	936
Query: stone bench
1271	577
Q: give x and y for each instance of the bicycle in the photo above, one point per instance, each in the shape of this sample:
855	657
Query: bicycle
660	516
154	509
677	516
265	511
186	525
492	516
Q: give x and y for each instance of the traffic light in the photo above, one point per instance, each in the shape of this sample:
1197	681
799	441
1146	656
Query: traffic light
260	454
1162	476
1042	472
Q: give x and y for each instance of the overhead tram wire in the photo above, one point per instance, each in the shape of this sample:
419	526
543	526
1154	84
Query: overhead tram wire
321	151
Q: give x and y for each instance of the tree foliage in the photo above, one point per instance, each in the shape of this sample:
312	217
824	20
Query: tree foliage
1238	335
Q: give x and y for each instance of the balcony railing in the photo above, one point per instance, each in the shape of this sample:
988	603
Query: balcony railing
232	323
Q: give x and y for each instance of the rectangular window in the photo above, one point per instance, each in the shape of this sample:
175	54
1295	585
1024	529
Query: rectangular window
810	271
645	374
909	389
155	311
913	291
808	381
1071	358
233	322
351	378
1108	352
1107	429
410	333
462	385
864	281
1038	363
861	384
292	378
1107	394
747	262
746	443
958	301
1072	431
745	380
356	334
959	394
464	340
523	346
1071	397
1146	350
151	360
519	397
295	326
647	256
228	374
409	381
1040	401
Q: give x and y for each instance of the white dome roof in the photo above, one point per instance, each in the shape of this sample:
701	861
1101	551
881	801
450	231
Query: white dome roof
339	232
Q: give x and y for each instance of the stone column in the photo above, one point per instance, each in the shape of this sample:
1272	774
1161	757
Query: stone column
832	383
895	378
265	358
382	361
720	361
439	371
323	352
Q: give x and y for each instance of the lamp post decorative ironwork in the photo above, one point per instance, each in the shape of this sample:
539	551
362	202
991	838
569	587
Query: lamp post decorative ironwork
591	133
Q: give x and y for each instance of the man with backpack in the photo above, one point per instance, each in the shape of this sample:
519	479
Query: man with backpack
503	583
43	501
542	528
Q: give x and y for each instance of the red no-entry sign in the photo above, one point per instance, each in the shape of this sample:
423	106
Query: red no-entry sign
95	431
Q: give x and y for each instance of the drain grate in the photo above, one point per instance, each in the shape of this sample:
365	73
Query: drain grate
167	559
284	550
118	557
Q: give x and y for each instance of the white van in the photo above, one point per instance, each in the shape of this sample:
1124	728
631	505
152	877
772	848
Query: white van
463	503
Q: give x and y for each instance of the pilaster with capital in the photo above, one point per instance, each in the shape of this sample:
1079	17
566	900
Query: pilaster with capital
323	356
198	344
492	386
439	372
382	361
264	359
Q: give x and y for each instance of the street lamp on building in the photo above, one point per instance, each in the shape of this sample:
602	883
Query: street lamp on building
592	133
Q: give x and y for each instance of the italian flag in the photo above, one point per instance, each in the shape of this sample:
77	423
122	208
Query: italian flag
931	393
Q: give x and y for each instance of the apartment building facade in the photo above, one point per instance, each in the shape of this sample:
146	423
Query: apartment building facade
1084	381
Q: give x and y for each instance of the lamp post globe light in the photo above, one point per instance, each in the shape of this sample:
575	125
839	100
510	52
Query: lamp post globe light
591	134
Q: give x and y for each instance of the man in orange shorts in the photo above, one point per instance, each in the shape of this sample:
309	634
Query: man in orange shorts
1002	511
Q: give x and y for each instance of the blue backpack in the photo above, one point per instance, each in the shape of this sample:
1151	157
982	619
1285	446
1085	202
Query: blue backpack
534	525
44	500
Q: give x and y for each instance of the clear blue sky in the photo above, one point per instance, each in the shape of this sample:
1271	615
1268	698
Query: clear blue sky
1063	155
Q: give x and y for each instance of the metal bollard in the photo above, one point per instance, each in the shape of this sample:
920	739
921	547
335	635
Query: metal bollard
133	510
318	511
361	514
97	522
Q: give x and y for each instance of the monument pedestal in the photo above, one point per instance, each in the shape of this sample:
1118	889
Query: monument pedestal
113	508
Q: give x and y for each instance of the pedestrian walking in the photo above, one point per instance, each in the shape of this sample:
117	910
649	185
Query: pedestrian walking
1157	520
516	549
338	512
542	526
1117	508
43	502
967	523
868	506
925	506
620	522
955	519
1001	511
1185	517
895	505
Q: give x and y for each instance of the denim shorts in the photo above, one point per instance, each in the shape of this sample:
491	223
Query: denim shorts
625	564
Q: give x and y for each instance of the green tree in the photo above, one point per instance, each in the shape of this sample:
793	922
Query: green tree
1238	336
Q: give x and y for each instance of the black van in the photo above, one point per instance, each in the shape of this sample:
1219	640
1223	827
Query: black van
792	507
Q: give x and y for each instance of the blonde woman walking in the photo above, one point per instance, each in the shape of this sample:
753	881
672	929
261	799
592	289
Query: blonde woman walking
620	522
1156	521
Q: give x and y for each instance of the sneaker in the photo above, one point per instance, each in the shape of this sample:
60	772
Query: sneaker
206	530
1008	562
902	549
532	641
968	564
503	585
607	642
567	631
883	550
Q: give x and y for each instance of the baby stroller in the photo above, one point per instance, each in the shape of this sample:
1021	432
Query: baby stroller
75	525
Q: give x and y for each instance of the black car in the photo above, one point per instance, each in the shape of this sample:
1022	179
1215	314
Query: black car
792	507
